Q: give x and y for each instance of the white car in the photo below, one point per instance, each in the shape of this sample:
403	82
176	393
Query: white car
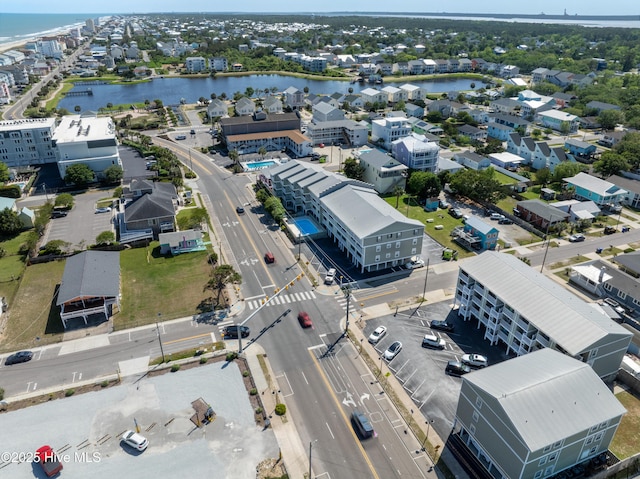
576	238
433	341
475	360
496	216
104	209
135	440
393	350
330	277
377	334
415	263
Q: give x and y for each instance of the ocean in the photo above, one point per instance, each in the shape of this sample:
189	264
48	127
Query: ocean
16	27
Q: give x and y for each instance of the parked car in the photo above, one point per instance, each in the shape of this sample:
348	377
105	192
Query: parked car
231	332
19	357
609	230
393	350
135	440
505	221
58	214
103	209
377	334
181	137
433	341
444	204
456	368
441	325
304	319
239	210
615	305
455	212
193	132
416	262
496	216
576	238
330	276
48	460
475	360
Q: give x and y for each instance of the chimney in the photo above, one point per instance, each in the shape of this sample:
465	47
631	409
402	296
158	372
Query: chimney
602	270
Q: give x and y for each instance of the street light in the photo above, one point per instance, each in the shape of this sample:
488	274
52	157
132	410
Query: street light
424	443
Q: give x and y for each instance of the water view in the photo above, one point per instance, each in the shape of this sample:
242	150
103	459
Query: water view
172	90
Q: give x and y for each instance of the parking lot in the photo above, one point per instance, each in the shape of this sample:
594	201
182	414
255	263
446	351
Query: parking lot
85	430
421	370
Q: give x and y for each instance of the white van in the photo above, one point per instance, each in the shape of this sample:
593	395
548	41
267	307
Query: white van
330	277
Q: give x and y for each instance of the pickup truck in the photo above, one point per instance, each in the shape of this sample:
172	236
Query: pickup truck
49	461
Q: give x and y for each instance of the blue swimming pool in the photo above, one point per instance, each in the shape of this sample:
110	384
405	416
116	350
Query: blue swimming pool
306	226
259	165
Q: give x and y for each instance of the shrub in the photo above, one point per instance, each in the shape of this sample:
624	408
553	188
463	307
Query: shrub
104	383
175	367
258	410
280	409
203	360
231	356
245	373
1	394
253	391
69	392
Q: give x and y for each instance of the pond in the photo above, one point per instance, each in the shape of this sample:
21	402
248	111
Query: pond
172	90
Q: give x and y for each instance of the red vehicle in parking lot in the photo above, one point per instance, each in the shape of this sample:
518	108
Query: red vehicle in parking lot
48	460
304	319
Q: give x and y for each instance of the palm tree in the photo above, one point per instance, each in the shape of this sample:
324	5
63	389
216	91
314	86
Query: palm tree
398	191
262	151
234	156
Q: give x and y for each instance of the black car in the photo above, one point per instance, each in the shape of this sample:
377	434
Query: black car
58	214
19	357
231	332
239	210
455	212
456	368
441	325
505	221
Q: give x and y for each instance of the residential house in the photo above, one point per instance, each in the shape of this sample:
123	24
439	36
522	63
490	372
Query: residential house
446	108
563	100
418	152
90	286
416	67
472	160
354	101
325	112
476	235
27	217
219	64
430	66
445	164
386	130
30	142
509	71
8	203
196	64
414	111
149	209
599	106
473	133
507	106
217	109
601	192
540	214
499	131
401	68
294	98
424	128
442	66
244	106
578	210
272	104
413	92
631	186
395	94
580	149
506	160
371	95
536	416
372	234
612	138
338	132
177	242
381	170
559	121
367	69
511	121
465	65
518	307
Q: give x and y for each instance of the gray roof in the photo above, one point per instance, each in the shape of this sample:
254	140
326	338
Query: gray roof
543	210
377	159
479	225
90	274
562	316
546	396
619	279
175	237
628	184
630	261
149	206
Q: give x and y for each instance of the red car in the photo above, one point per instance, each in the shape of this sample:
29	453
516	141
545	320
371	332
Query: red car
304	320
49	461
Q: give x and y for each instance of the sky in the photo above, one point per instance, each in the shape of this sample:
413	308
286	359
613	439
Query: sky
549	7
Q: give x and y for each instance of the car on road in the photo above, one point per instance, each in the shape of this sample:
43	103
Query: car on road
231	332
193	132
433	341
135	440
496	216
19	357
377	334
304	319
475	360
239	210
362	425
415	262
181	137
456	368
393	350
441	325
269	258
58	214
330	276
103	209
576	238
456	212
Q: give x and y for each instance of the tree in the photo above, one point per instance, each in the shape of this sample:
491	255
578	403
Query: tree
221	276
398	191
249	92
79	174
106	238
424	184
4	172
609	119
113	174
77	108
10	223
353	169
56	247
543	175
65	200
478	185
262	151
610	163
234	156
566	170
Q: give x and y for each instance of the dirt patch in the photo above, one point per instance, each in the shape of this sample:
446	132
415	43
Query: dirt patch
271	469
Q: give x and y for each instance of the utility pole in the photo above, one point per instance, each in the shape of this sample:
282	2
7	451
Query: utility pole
160	338
347	293
310	444
426	278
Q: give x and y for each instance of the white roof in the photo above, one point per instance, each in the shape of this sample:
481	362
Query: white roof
370	92
566	318
558	115
506	157
546	396
80	129
595	185
592	273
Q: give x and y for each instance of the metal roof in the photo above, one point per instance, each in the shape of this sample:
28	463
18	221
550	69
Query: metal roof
90	274
547	396
562	316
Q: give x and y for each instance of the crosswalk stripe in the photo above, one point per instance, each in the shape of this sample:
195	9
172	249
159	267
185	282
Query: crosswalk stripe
287	298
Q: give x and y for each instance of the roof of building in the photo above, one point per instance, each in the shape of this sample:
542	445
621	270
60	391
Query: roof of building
547	396
477	224
27	123
595	185
561	315
90	274
379	160
323	107
628	184
239	120
471	156
149	206
82	129
631	261
542	209
558	115
175	237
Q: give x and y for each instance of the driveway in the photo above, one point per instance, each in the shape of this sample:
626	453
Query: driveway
81	226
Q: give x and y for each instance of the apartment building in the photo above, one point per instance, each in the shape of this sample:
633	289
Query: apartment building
196	64
371	233
387	130
27	142
418	152
523	311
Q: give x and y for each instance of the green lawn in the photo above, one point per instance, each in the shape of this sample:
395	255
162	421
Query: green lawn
12	265
152	284
504	179
626	442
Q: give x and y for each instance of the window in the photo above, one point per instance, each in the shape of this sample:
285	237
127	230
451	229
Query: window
599	436
378	248
547	448
388	245
553	456
589	440
479	402
472	429
397	244
476	416
543	461
607	287
538	475
397	254
387	256
603	424
622	295
377	259
557	444
414	242
548	471
379	238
